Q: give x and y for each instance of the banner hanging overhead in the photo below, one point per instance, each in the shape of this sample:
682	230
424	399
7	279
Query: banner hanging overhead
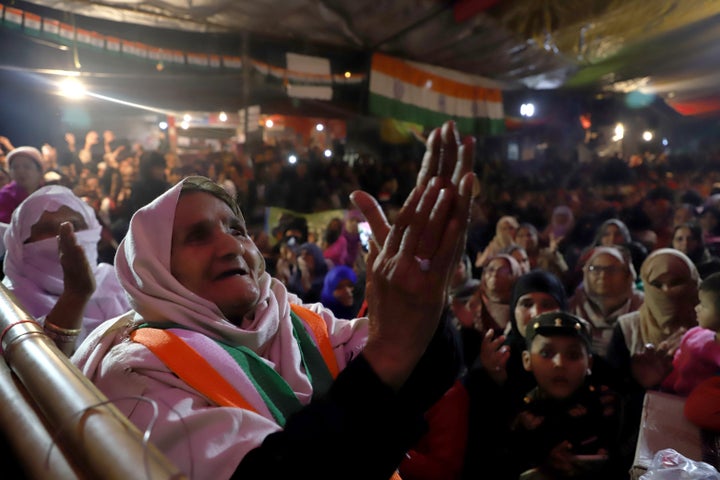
429	95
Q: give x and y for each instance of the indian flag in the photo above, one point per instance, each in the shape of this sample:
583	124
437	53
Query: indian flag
429	95
51	27
112	44
13	17
33	23
232	61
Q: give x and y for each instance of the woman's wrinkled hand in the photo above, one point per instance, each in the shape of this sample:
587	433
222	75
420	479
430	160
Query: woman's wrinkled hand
410	263
77	275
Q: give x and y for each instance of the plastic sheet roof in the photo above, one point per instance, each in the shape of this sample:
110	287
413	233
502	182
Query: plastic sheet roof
666	47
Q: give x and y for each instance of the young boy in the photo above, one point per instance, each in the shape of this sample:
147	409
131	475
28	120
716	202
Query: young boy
698	357
562	430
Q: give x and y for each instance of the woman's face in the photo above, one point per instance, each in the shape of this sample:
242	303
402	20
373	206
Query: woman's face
684	241
213	256
498	278
606	275
48	225
343	293
526	239
26	173
611	236
530	306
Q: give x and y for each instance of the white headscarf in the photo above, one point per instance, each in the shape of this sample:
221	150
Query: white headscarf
33	272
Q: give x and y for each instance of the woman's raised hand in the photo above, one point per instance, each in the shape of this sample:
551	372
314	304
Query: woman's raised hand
411	262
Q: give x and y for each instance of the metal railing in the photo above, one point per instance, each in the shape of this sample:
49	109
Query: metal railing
58	424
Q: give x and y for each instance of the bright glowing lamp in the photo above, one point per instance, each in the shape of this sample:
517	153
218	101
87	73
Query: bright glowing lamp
223	117
292	159
327	153
619	132
647	135
72	88
269	123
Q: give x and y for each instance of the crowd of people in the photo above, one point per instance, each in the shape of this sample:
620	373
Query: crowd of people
480	333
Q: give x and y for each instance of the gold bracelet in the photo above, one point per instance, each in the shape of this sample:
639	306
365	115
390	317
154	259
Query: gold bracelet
66	332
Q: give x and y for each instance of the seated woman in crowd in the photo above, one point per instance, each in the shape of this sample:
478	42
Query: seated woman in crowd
606	292
612	232
338	289
488	309
26	171
670	282
688	238
48	285
305	381
335	243
520	255
548	258
505	230
645	341
307	280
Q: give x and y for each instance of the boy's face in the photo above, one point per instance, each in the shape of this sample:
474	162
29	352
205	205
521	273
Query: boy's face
707	315
559	364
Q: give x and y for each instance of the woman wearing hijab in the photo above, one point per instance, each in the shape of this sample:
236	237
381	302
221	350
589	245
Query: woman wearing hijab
488	308
688	238
562	222
26	171
612	232
606	292
670	282
307	280
643	342
296	391
547	258
335	243
338	289
505	230
33	270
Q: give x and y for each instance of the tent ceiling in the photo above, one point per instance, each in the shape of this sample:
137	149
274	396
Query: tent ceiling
668	47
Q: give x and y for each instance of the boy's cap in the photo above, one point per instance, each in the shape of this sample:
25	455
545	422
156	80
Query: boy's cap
558	323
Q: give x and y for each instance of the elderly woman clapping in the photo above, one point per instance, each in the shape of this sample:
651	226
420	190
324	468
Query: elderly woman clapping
292	381
51	266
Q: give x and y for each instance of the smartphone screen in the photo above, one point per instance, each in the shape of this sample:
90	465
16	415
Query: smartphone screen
365	234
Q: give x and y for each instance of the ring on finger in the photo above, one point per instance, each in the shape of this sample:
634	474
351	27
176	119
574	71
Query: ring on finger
423	263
